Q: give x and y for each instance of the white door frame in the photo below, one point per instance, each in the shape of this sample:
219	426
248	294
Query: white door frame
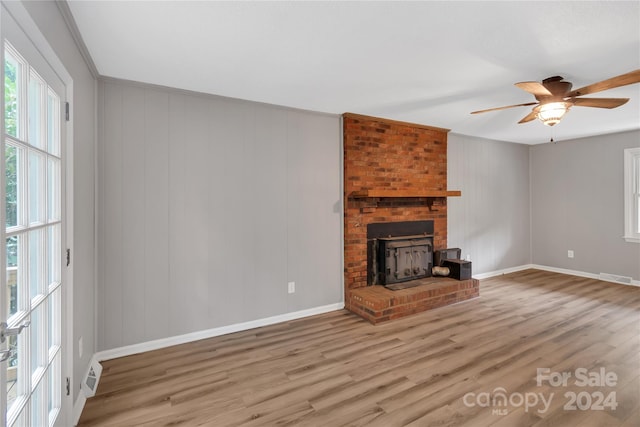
24	20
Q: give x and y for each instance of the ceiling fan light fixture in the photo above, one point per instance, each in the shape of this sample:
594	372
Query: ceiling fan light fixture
552	112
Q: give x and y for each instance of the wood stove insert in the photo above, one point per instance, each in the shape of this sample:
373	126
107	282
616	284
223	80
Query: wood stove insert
399	251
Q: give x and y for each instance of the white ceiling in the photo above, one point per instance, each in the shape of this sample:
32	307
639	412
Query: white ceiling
423	62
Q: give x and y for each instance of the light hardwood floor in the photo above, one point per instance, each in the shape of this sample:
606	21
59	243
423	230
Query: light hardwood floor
336	369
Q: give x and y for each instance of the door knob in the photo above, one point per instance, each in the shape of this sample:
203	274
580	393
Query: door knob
5	331
5	354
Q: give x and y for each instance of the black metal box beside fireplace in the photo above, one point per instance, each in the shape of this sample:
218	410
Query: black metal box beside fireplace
460	269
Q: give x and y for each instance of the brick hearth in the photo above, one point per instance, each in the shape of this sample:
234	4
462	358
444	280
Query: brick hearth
379	304
404	162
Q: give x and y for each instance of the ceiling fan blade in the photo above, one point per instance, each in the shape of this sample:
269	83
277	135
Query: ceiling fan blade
535	88
531	116
600	102
622	80
504	108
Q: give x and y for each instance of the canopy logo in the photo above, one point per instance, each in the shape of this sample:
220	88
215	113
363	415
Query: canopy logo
498	399
584	400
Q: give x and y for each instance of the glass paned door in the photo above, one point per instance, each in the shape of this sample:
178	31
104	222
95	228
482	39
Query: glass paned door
33	193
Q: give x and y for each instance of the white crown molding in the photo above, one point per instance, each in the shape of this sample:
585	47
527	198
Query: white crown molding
67	15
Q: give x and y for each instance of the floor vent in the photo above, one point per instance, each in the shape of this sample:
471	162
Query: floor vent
615	278
90	382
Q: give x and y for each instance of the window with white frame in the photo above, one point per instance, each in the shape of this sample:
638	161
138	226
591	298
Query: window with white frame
632	195
33	236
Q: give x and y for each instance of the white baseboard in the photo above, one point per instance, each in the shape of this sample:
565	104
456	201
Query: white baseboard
78	406
503	271
581	274
194	336
210	333
551	269
223	330
85	391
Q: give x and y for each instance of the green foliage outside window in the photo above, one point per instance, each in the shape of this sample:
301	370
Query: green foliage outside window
11	178
11	163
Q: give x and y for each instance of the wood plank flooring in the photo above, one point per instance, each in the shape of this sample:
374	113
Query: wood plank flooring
337	369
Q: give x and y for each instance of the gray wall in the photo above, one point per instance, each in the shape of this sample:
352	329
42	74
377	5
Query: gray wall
51	23
577	203
490	221
208	206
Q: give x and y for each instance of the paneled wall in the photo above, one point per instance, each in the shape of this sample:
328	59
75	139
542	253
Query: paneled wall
577	204
208	207
490	222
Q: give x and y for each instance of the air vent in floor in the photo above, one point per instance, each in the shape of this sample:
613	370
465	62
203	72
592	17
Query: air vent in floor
615	278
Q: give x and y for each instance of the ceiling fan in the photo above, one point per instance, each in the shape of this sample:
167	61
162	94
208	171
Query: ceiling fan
555	97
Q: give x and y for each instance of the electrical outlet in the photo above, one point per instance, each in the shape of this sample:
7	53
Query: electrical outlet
570	253
80	349
292	287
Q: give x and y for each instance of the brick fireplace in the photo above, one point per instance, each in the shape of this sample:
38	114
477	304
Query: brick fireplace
394	172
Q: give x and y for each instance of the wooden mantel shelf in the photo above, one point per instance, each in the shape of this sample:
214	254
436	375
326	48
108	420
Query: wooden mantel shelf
365	194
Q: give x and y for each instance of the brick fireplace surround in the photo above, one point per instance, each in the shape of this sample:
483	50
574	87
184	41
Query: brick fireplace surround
394	171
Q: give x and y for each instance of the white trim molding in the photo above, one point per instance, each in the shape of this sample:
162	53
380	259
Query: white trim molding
78	406
238	327
503	271
67	16
194	336
583	274
210	333
605	277
631	194
93	370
